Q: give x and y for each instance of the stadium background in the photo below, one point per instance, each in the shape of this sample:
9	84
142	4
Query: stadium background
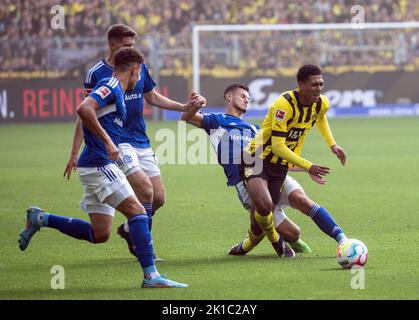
367	72
374	198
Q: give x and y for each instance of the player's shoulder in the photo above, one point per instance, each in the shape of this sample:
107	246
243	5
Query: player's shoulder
106	86
285	101
110	82
97	71
324	99
145	69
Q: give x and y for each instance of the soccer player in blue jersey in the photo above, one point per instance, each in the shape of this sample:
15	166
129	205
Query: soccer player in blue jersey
105	187
229	133
138	161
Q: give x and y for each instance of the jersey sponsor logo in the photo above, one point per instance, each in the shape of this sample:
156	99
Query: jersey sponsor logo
280	115
103	92
132	96
239	137
295	133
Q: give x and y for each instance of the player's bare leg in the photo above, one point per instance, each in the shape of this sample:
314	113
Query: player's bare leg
142	186
159	197
291	234
289	230
262	202
299	200
102	226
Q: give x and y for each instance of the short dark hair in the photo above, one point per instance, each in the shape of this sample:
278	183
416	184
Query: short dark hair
306	71
234	86
125	57
119	31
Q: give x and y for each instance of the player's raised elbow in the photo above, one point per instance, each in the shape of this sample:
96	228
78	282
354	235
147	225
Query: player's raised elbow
85	108
185	117
81	110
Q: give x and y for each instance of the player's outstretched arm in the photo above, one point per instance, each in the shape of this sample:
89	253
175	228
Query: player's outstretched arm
156	99
87	113
77	141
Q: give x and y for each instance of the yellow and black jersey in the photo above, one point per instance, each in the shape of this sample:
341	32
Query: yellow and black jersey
285	128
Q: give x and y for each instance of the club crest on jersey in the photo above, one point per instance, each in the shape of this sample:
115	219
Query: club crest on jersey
127	158
280	115
103	92
248	172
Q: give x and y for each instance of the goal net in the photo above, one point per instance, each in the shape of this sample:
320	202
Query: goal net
250	52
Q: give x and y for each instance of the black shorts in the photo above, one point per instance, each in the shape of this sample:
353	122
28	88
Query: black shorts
272	173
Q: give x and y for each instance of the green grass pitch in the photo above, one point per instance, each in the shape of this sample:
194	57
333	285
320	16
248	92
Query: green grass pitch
374	198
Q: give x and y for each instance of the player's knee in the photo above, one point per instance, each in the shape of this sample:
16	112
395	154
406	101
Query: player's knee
289	230
142	186
159	200
263	206
102	236
294	233
298	200
144	192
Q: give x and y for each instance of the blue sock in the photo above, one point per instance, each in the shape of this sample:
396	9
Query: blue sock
72	227
326	223
141	239
149	210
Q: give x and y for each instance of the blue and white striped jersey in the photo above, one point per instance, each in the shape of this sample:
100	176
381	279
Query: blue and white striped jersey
228	136
111	115
134	131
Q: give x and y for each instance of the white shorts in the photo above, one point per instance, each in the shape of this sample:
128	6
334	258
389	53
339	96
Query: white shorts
290	184
134	159
104	188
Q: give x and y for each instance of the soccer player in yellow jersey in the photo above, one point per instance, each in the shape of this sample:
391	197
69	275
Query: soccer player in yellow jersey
278	145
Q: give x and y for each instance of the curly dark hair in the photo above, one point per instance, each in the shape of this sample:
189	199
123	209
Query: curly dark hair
127	56
306	71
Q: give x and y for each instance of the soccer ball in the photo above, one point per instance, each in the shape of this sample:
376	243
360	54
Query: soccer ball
352	252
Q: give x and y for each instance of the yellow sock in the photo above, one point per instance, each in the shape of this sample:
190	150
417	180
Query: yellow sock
252	240
267	224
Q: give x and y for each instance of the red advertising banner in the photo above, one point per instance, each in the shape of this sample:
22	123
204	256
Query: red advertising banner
56	100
